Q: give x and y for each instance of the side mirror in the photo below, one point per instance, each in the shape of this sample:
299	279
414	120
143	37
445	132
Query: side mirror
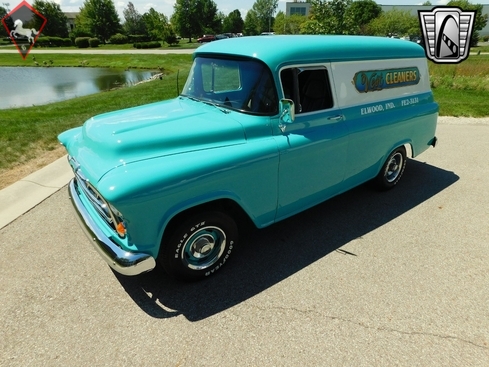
287	113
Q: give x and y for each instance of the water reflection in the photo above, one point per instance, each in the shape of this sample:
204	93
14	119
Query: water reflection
27	86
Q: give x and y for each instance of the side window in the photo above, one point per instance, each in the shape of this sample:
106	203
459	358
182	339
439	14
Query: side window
310	89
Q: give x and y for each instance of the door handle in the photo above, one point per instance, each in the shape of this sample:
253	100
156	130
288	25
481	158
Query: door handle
336	118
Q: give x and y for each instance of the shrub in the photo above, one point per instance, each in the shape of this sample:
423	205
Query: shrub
76	33
119	39
82	42
94	42
485	38
53	42
171	39
43	41
56	41
144	45
138	38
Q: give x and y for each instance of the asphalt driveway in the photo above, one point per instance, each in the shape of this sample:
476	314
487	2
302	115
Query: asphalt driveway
399	278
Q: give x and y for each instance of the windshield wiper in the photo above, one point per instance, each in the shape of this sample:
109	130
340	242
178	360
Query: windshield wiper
192	98
224	110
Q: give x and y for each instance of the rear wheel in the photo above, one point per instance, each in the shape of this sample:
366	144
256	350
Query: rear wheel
392	170
199	247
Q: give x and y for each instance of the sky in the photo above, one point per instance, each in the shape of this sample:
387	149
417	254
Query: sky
225	6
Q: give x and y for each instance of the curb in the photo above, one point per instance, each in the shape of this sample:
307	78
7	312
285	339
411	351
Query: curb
25	194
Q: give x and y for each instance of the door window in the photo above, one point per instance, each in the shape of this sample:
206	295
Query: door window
309	88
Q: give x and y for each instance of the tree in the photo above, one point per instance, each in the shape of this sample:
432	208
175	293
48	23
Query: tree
184	18
195	17
288	24
233	23
134	23
427	3
99	18
480	19
264	10
209	17
395	22
156	24
251	25
219	21
3	31
57	24
3	12
329	17
360	13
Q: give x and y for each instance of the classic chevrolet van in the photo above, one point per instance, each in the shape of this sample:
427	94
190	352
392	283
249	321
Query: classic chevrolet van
264	128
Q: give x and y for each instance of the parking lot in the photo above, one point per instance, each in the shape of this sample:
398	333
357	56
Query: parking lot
397	278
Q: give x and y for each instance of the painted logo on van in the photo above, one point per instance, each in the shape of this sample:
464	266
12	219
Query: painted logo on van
375	80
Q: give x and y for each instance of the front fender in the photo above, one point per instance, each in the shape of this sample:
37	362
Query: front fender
149	193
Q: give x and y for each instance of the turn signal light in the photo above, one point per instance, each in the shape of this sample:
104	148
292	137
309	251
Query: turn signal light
121	229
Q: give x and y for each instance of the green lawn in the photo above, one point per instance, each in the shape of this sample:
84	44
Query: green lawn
483	48
183	44
462	89
167	63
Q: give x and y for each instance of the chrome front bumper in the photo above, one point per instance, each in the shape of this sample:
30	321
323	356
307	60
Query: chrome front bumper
123	262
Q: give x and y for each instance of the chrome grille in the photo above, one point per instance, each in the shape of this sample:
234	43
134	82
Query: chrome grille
97	200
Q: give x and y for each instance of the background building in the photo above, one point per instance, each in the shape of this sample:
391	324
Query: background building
297	7
71	20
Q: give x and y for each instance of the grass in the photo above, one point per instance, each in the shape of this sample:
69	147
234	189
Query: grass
457	103
482	48
183	44
168	63
460	90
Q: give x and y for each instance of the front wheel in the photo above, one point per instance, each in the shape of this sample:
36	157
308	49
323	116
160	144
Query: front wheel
392	170
199	247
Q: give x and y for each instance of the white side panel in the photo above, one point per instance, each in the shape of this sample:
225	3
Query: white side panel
348	96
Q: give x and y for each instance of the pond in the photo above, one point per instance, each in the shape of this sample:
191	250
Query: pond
27	86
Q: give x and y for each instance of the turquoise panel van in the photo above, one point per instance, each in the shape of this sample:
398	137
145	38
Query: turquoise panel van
265	127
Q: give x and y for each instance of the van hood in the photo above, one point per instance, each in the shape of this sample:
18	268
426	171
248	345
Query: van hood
170	127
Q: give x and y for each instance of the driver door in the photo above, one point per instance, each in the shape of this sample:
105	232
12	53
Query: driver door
313	148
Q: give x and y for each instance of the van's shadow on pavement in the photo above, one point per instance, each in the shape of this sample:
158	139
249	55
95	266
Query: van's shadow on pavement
266	257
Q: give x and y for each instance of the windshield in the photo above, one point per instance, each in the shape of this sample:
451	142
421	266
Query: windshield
239	84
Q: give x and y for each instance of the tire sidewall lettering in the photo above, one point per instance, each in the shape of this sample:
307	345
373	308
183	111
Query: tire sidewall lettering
185	236
222	261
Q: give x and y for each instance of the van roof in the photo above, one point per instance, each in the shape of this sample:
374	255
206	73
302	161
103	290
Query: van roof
279	50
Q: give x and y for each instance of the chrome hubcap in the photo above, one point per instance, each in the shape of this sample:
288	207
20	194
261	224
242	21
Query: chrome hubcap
204	248
393	168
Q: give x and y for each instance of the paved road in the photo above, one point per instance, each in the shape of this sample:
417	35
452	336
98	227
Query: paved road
366	279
